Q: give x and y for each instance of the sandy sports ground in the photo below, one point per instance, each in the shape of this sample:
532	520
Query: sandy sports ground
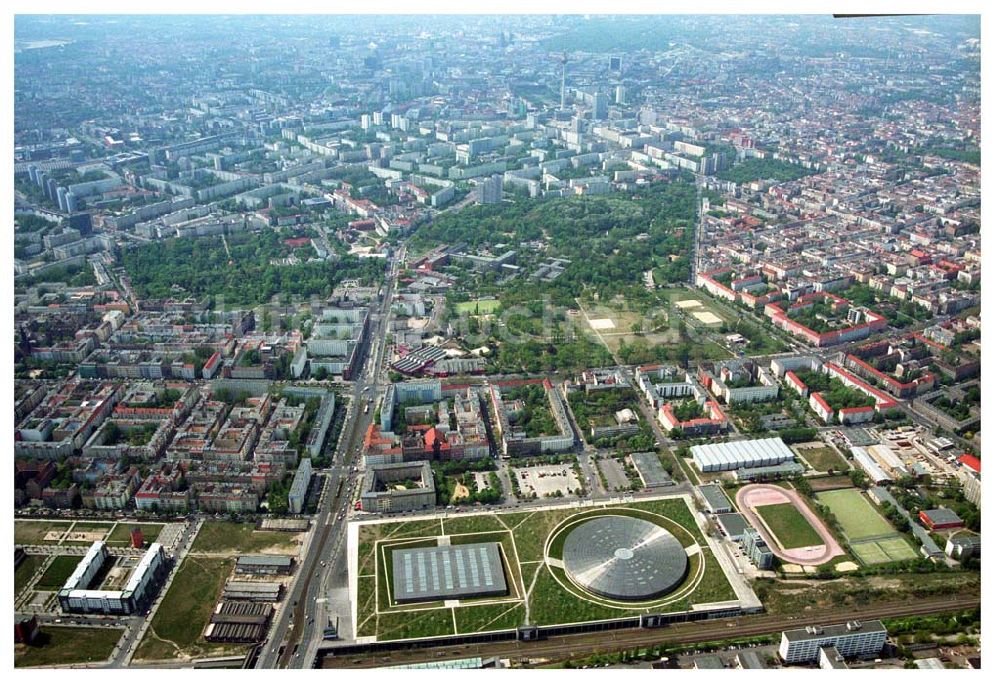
688	304
601	324
753	496
706	317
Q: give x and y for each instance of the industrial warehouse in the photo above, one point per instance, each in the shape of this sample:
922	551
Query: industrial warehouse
448	571
262	592
722	457
264	565
239	622
141	587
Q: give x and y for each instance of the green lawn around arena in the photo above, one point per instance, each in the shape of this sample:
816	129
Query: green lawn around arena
789	526
551	597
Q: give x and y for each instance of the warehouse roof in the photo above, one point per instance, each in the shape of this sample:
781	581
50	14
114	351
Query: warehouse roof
775	470
447	571
256	586
716	498
870	466
735	452
651	470
942	515
264	560
733	524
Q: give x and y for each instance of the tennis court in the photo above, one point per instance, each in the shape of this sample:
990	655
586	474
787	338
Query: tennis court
873	539
892	549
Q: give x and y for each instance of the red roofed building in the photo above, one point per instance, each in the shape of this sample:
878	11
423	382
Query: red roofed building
25	629
795	383
941	518
856	415
821	407
715	421
972	462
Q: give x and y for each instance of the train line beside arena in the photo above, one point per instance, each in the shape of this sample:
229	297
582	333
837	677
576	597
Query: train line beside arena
582	645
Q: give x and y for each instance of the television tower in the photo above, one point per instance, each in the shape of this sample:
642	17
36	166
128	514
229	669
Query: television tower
562	88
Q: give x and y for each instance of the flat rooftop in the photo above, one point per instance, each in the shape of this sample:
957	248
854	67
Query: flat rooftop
834	630
448	571
715	497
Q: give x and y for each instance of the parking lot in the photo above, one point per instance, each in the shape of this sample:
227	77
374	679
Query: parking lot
544	480
614	473
482	480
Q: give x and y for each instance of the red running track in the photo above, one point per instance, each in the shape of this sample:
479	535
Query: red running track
752	496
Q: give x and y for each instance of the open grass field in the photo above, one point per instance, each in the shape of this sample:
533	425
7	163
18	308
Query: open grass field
26	570
66	646
93	526
789	526
121	534
179	623
702	309
241	539
872	538
614	322
856	514
694	302
32	531
56	574
484	306
539	592
823	459
611	323
831	483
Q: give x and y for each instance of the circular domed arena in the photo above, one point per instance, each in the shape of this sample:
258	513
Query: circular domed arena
624	558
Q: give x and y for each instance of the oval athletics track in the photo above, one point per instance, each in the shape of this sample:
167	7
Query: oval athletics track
753	496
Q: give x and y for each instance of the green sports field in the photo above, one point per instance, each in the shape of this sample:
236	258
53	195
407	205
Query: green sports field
855	513
892	549
872	539
789	526
485	306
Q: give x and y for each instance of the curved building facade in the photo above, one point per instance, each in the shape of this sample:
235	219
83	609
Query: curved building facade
624	558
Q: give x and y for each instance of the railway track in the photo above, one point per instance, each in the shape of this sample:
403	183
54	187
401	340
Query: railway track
583	645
